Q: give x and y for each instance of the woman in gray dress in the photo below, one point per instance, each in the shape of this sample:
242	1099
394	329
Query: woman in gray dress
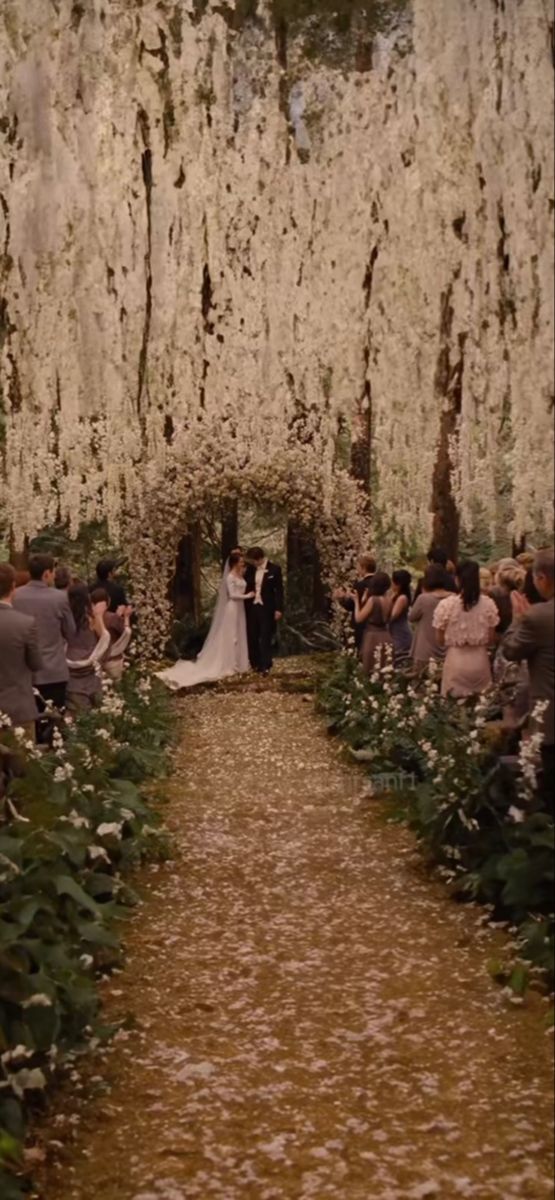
373	610
399	628
425	644
85	650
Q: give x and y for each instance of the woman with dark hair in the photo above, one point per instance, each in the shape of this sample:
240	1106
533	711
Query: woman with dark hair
62	578
373	610
85	649
465	625
425	645
399	628
118	625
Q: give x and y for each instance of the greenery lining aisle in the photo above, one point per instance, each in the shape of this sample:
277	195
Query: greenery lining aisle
438	765
73	822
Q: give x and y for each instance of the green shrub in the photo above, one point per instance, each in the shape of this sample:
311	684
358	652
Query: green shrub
480	821
71	823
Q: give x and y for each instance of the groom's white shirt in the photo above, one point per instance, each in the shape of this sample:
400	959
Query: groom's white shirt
260	572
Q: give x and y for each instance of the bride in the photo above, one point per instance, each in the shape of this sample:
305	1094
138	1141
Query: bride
225	651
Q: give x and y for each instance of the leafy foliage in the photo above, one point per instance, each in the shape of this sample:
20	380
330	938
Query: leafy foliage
474	816
72	822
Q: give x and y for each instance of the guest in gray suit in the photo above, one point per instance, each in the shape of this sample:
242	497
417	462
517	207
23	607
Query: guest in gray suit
532	640
55	626
19	657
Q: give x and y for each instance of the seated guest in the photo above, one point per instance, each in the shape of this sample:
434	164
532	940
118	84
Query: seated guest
438	557
50	609
85	650
105	578
366	569
465	624
531	639
399	628
119	627
425	644
19	657
372	611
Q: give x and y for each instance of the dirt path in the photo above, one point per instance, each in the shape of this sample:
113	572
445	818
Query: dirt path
314	1017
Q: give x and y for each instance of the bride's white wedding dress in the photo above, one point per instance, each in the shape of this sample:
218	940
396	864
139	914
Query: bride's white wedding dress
225	651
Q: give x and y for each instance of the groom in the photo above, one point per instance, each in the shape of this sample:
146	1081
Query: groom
264	578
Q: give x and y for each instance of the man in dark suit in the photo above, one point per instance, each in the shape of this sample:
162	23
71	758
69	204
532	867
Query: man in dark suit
19	657
265	580
366	568
531	639
55	626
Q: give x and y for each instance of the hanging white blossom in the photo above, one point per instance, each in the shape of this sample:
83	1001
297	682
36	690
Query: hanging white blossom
175	263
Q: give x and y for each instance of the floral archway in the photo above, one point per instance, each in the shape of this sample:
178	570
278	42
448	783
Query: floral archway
325	501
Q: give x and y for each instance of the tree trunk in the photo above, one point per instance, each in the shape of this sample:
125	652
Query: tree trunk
305	591
362	440
230	528
185	586
19	558
448	389
446	527
519	546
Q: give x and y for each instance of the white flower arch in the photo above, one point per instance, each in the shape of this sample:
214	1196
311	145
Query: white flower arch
325	501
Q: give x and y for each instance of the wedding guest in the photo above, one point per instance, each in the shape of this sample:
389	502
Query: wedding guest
425	644
62	578
399	628
55	626
105	578
19	657
85	650
511	578
373	611
366	569
531	639
530	589
119	627
526	560
465	624
486	579
511	679
438	557
21	578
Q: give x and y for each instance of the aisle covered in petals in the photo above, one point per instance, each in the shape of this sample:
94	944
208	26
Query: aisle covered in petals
312	1016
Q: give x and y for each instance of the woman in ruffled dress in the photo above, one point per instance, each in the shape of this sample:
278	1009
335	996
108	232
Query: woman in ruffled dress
465	624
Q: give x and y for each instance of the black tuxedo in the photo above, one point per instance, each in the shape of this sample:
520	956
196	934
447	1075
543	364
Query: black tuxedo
261	618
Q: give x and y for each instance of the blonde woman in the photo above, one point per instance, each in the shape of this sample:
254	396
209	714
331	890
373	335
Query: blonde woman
511	579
